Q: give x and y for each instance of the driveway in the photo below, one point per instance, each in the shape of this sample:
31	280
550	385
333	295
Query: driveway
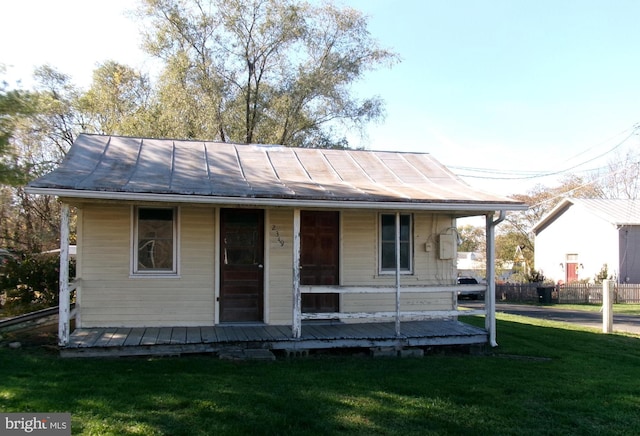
621	323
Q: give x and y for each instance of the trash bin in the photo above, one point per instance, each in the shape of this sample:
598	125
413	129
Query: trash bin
544	294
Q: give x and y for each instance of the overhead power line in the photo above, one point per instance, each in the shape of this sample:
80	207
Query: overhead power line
503	174
577	188
631	129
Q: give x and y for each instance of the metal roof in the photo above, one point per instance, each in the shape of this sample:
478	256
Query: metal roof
196	171
614	211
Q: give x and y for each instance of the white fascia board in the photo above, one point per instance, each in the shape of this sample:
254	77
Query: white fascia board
481	208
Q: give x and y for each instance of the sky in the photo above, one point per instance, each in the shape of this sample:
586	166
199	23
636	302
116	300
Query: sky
503	92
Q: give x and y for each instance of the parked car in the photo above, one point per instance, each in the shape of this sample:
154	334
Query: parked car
473	295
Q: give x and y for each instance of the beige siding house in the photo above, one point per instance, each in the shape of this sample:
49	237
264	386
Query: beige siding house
196	234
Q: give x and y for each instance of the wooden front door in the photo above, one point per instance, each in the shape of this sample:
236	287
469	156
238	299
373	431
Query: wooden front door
319	256
241	265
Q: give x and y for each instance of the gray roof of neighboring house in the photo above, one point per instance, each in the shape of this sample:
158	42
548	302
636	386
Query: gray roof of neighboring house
197	171
615	212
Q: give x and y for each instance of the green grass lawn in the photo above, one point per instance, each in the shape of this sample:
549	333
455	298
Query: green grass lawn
545	379
622	309
626	309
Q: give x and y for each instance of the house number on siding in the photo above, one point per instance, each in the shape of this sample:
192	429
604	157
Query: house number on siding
276	233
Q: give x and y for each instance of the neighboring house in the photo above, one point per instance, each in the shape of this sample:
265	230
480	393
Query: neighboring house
193	233
471	264
580	237
515	266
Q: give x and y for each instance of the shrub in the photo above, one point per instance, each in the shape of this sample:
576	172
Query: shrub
602	275
31	282
535	277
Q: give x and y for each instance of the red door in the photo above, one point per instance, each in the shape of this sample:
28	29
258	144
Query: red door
241	265
319	256
572	272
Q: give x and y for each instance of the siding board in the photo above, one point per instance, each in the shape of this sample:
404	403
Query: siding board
111	297
280	273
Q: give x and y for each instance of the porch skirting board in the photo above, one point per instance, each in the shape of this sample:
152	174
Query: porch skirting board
95	342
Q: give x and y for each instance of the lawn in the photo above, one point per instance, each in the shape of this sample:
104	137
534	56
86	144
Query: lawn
626	309
545	379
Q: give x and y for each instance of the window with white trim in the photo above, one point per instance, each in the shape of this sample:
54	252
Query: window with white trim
155	241
387	249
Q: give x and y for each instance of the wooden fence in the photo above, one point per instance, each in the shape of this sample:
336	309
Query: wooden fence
575	293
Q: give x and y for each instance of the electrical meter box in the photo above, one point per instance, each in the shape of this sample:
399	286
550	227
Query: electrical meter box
447	247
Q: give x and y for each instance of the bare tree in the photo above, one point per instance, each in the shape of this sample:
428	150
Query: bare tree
621	180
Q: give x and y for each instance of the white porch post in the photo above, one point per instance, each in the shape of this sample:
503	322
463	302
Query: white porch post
397	273
490	295
297	296
64	298
607	306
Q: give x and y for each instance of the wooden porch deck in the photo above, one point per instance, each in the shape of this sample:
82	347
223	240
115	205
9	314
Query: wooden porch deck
94	342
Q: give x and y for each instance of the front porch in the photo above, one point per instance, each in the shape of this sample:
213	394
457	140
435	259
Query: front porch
96	342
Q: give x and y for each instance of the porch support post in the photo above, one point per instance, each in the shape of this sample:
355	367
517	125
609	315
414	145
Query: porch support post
607	306
397	273
297	296
490	295
64	297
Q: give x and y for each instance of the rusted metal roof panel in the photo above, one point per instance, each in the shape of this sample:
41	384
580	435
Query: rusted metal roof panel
209	169
153	169
115	165
225	173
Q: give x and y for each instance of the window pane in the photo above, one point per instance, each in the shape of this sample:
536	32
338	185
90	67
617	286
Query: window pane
388	242
240	247
156	214
388	227
155	239
405	230
404	256
388	255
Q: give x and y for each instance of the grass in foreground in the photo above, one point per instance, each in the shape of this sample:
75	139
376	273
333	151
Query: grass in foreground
545	378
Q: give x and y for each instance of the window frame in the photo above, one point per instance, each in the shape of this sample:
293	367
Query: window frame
409	241
135	270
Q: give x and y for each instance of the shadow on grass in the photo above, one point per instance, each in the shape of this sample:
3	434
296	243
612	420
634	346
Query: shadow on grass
588	385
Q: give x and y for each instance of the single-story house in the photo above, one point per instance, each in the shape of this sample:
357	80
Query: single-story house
195	234
580	238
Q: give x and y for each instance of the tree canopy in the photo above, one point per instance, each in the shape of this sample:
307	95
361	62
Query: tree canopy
14	104
40	125
261	71
118	102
